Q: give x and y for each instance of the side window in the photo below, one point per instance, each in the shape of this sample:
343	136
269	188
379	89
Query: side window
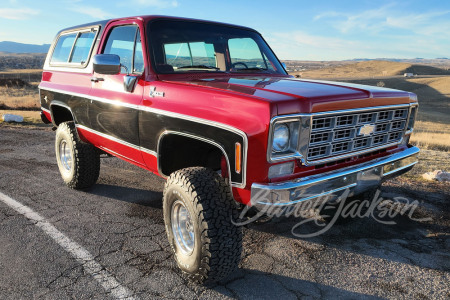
138	55
63	48
122	42
73	49
82	47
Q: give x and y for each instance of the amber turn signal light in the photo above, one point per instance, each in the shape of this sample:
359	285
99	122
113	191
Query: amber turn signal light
238	158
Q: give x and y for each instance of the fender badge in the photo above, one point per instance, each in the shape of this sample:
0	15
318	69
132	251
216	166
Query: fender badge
154	93
366	130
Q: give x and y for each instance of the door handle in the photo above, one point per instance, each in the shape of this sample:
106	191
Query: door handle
96	79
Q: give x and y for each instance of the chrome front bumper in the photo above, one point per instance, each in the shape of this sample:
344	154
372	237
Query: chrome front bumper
357	179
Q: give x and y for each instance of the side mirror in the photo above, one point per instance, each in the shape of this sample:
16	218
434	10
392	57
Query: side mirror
107	64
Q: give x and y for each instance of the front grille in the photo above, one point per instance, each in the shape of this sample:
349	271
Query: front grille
343	133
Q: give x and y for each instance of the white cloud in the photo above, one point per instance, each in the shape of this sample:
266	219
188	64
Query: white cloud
157	3
94	12
373	19
413	20
327	14
303	46
384	19
17	13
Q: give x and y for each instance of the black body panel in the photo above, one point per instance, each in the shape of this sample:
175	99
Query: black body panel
153	124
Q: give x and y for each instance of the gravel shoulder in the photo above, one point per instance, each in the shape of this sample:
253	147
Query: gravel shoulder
120	222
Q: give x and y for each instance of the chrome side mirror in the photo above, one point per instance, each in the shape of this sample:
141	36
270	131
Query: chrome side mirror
107	64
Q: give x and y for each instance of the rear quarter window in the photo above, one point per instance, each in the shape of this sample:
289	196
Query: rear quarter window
63	48
82	48
73	49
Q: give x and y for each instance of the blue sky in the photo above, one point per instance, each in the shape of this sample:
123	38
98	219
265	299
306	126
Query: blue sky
295	29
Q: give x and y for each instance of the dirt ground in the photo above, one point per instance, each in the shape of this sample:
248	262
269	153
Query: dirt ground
119	221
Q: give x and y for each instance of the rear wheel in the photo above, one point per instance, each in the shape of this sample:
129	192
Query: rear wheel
198	211
78	162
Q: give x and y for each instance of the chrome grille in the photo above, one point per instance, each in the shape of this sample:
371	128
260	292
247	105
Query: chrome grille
341	134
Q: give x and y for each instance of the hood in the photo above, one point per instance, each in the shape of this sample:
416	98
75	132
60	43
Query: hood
300	95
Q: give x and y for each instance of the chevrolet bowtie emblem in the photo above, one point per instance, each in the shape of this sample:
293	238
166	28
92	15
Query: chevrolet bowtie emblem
366	130
154	93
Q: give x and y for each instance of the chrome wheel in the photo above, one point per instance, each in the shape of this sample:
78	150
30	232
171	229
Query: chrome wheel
65	155
182	227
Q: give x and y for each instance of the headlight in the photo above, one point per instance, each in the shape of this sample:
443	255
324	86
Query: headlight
280	138
283	139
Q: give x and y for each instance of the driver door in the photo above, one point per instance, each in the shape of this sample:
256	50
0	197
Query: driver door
113	110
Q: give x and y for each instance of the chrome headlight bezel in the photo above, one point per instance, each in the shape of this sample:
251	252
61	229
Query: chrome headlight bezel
411	118
294	123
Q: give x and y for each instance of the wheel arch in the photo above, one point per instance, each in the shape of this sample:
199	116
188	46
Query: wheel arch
60	113
195	139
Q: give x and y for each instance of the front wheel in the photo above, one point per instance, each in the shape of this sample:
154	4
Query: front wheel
78	162
198	212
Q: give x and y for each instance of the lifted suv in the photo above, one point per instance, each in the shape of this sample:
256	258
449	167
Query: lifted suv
209	107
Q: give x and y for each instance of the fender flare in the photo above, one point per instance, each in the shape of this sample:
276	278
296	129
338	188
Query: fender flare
192	136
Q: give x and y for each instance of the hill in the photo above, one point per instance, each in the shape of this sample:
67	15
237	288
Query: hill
21	61
373	68
13	47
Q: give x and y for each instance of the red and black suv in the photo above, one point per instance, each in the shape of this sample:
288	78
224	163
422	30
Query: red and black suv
209	107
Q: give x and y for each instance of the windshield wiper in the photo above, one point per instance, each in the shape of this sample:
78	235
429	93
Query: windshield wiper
250	69
199	67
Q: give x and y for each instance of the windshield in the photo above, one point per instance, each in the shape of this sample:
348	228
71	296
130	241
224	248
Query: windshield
183	46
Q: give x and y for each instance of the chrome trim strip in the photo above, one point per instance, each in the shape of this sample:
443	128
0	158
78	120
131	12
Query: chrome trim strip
174	115
167	132
356	110
86	96
120	155
148	151
114	139
46	110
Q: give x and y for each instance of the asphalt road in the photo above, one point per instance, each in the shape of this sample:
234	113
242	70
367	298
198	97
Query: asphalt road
114	232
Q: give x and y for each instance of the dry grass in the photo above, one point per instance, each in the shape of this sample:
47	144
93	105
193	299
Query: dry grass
371	69
21	71
28	75
430	135
20	96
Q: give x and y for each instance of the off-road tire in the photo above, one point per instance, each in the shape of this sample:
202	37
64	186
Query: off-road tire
217	241
85	163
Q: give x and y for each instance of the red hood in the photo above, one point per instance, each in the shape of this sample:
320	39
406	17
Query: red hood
299	95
